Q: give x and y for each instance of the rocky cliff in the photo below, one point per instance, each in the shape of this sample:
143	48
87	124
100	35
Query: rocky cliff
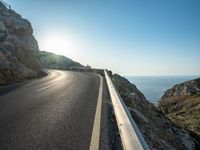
53	61
18	48
159	132
181	104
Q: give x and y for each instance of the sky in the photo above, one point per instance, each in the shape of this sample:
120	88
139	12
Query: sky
148	37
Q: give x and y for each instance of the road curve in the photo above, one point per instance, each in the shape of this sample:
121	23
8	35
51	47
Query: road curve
54	112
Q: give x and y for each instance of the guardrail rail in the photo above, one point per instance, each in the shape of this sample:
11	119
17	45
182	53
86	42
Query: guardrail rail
131	137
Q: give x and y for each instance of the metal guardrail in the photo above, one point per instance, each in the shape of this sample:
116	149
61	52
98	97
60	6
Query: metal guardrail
131	137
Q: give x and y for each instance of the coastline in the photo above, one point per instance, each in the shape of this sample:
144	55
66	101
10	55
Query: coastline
153	87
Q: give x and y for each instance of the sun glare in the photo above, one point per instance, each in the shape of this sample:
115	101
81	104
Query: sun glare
58	43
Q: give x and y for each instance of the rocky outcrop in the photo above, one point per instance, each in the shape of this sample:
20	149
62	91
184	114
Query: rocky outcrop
181	104
158	131
18	48
53	61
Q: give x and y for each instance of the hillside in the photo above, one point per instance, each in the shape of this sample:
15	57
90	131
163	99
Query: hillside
53	61
18	48
20	57
158	131
181	104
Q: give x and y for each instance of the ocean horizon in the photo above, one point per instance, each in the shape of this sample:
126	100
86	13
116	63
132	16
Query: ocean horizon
153	87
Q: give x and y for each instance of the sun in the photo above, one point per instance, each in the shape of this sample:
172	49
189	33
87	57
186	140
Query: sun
57	43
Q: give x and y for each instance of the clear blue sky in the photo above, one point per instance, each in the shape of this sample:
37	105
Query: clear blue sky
149	37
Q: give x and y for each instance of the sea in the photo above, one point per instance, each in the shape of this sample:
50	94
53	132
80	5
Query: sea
153	87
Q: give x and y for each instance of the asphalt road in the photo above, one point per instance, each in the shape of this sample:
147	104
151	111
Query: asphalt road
54	112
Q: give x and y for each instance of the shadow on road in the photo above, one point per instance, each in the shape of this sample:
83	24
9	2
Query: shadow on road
9	88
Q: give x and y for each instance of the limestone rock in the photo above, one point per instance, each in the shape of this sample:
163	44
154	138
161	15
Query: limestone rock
158	131
18	48
3	32
181	104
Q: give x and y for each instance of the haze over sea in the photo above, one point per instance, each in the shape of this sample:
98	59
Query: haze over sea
153	87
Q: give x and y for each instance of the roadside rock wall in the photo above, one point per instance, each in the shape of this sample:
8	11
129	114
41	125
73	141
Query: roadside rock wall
18	48
158	131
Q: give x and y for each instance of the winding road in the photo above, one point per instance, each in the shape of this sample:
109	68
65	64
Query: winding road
54	112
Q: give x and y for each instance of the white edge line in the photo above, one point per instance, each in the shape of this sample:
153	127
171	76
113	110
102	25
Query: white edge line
95	139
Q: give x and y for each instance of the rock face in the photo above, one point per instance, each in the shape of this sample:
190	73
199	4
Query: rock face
158	131
18	48
53	61
181	104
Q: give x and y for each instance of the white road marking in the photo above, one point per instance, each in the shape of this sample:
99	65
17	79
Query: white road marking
94	144
51	85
